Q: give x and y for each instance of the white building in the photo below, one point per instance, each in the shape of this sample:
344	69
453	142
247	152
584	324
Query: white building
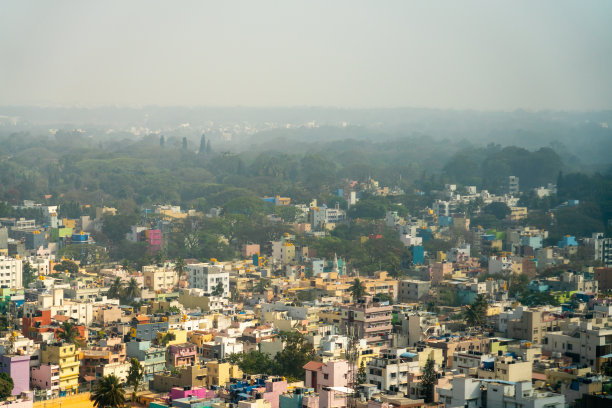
159	278
11	272
207	276
474	393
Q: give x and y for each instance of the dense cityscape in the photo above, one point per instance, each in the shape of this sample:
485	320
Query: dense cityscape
305	204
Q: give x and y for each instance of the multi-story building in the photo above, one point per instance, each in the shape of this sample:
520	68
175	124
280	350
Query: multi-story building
587	342
18	367
152	358
11	272
66	356
46	377
159	278
603	276
330	374
368	320
107	358
472	393
417	326
534	324
506	368
182	354
413	290
207	276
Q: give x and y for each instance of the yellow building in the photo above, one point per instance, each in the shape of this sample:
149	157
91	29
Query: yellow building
180	336
218	374
67	357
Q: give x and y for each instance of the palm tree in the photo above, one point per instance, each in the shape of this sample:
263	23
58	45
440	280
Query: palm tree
167	338
115	291
357	290
132	291
179	266
69	333
108	393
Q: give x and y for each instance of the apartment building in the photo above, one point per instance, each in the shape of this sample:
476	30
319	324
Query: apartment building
66	356
368	320
587	342
11	272
534	324
207	276
158	278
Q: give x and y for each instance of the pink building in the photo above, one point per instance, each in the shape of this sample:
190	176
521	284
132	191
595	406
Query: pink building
248	250
180	355
198	392
274	388
330	374
438	270
46	377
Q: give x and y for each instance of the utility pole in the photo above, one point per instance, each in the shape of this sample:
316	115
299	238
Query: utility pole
352	355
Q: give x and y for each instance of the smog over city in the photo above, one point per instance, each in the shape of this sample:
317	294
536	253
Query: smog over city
322	204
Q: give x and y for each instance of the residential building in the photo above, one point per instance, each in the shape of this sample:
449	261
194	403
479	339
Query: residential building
412	290
158	278
11	272
66	356
207	276
152	358
368	320
330	374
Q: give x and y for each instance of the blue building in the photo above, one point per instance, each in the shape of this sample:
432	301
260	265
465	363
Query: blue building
567	241
152	358
418	255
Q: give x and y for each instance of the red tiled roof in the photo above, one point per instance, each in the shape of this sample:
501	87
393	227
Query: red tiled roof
313	366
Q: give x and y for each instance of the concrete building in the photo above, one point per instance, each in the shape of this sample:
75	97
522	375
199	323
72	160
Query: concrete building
159	278
368	320
11	272
330	374
587	341
46	377
207	276
467	392
152	358
66	356
18	367
513	185
534	324
412	290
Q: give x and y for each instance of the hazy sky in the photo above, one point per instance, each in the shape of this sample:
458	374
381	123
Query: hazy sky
439	54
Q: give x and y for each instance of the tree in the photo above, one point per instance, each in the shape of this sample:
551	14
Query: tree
476	313
361	374
29	274
6	386
261	285
297	352
135	375
115	291
179	266
167	338
162	141
202	144
498	209
108	393
132	290
429	380
218	290
184	143
66	266
68	333
357	290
